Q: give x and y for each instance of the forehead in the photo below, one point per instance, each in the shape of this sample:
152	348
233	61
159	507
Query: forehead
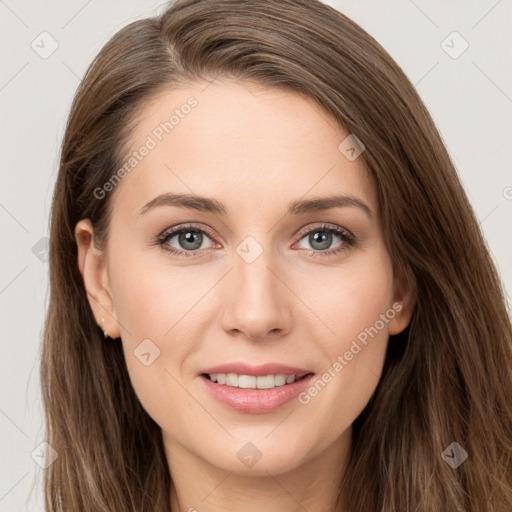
241	142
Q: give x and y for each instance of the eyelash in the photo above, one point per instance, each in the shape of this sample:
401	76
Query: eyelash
348	240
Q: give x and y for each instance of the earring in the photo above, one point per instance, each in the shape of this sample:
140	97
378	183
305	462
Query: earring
105	333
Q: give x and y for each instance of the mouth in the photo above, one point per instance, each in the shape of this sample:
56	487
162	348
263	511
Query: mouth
255	390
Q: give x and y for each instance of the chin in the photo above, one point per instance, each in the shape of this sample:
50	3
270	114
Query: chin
259	457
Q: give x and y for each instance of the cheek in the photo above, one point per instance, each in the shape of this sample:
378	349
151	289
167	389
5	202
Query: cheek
357	308
163	304
150	301
151	298
351	300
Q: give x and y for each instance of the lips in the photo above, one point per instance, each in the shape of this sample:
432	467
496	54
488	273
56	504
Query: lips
223	384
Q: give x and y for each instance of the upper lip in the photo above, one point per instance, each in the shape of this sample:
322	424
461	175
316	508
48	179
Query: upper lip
241	368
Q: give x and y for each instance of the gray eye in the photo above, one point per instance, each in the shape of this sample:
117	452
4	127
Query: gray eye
320	239
188	239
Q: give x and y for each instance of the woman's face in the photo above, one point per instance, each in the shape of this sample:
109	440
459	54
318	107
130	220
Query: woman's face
264	279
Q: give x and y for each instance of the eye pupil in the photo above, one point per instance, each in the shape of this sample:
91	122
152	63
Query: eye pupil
324	238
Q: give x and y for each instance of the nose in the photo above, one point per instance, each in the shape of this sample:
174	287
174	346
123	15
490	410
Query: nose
258	302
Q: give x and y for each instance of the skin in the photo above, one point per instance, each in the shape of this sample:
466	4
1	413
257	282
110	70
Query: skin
256	149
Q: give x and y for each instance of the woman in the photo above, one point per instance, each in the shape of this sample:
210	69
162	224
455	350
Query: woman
268	287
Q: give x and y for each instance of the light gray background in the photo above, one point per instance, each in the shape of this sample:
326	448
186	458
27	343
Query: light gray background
470	98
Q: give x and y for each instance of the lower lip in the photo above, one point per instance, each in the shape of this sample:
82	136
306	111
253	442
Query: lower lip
256	401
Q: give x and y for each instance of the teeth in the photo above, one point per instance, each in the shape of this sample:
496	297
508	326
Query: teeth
251	381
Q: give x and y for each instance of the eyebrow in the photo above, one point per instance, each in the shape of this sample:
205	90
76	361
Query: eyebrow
209	205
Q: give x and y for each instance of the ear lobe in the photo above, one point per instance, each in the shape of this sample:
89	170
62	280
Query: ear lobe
404	302
93	267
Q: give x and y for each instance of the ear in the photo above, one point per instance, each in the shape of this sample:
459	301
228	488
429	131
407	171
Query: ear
93	267
404	301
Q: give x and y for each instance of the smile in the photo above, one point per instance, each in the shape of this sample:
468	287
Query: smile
253	394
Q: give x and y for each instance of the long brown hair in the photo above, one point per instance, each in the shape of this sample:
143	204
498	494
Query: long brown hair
447	377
